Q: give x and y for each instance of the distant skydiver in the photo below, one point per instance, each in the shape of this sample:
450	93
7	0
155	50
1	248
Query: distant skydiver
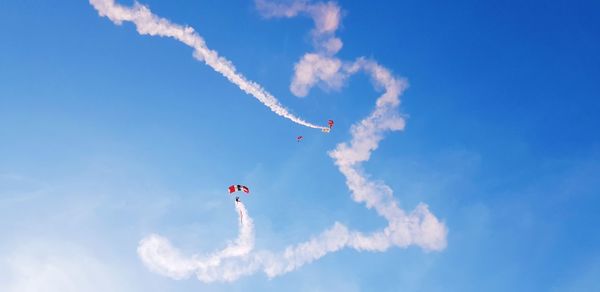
327	130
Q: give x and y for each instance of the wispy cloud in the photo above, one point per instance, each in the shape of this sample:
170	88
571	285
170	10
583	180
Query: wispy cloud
42	264
419	227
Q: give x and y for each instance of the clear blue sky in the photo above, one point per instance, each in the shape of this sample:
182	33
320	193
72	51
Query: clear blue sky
107	136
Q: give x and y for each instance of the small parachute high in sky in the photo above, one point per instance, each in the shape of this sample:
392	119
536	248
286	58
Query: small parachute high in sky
327	130
299	138
239	188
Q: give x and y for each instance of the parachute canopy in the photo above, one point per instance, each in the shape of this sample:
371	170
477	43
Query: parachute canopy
330	123
238	188
325	130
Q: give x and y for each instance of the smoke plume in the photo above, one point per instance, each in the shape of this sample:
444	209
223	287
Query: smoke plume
148	23
239	257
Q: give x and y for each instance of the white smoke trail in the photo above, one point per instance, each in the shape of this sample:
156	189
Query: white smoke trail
319	67
160	256
148	23
325	15
239	258
419	227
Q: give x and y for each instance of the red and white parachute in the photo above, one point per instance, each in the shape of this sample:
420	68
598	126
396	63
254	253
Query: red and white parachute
238	188
327	130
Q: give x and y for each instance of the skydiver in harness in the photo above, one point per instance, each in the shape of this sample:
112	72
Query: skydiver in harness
237	200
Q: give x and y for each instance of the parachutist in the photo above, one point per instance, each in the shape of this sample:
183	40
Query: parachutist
238	188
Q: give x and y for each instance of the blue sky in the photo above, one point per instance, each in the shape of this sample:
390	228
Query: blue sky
107	136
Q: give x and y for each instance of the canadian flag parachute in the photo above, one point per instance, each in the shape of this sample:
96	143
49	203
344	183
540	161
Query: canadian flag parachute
239	188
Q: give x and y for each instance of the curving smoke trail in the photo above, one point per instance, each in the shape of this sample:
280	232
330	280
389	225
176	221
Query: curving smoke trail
159	256
239	258
148	23
418	227
321	66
